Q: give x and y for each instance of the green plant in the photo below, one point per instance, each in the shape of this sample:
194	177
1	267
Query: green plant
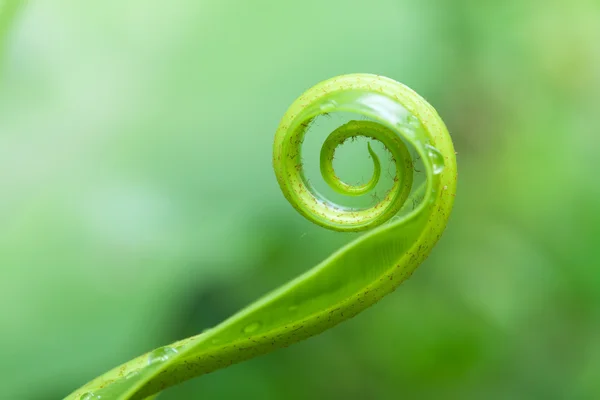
354	277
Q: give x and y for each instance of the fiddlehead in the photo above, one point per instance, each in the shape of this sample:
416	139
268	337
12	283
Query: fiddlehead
354	277
321	211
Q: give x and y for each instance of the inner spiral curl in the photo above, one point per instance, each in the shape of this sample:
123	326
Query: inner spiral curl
334	140
312	205
402	183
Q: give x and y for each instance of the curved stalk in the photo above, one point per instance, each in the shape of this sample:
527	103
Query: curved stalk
354	277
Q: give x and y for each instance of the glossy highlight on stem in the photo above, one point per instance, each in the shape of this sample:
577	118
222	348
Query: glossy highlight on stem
354	277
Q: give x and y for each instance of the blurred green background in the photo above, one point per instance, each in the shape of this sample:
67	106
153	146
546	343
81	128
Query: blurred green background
138	203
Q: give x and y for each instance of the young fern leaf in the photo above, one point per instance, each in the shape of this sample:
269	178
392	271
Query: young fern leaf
354	277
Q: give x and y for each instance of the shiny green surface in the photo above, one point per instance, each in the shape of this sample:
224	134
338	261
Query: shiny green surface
354	277
139	206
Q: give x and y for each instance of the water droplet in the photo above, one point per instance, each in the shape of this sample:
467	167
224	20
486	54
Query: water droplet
160	355
252	327
132	374
90	396
413	121
292	308
437	160
329	106
407	127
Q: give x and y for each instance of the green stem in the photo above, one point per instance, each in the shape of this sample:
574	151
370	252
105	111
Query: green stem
354	277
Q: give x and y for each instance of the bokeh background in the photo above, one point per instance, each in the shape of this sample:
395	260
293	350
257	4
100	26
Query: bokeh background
138	204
